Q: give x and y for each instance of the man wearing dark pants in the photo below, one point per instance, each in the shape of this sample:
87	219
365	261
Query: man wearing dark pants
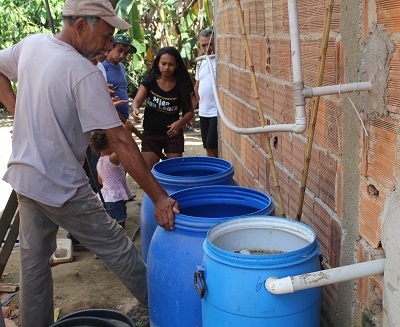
61	98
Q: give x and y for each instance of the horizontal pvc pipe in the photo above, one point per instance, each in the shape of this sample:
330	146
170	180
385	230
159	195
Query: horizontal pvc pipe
309	92
324	277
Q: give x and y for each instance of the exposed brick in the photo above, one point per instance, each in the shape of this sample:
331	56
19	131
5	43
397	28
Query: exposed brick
268	17
307	210
369	289
293	204
358	313
286	151
266	95
382	150
298	154
255	19
321	225
313	172
364	152
277	16
327	180
329	299
310	60
280	61
329	127
388	12
340	64
284	182
339	192
335	241
362	283
276	144
365	18
371	205
394	80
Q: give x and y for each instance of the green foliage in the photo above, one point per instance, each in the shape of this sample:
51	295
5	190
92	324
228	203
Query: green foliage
19	18
155	23
166	22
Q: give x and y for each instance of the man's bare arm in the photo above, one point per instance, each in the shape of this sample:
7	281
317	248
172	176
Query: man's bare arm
132	160
7	95
196	97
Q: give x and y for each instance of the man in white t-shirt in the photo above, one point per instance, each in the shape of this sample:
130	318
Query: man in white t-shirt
205	96
61	98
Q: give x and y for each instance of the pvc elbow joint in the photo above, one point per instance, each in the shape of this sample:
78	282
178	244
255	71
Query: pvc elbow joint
279	285
300	126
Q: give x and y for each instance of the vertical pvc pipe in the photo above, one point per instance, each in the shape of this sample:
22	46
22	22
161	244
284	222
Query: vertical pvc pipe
267	141
295	41
313	119
298	83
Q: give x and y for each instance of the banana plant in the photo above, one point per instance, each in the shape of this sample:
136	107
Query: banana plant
166	22
159	23
19	18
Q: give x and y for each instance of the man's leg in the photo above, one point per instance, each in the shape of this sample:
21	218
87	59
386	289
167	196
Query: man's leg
88	221
37	243
212	137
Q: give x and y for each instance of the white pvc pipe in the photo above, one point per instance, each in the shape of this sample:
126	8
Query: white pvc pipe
324	277
298	82
300	93
295	41
309	92
300	124
242	130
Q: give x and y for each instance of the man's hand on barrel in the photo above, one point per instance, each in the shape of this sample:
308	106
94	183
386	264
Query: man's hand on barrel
165	209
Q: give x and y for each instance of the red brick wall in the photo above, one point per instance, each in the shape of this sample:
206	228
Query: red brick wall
267	28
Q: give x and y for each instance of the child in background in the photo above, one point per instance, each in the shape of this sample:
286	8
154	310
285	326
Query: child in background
112	176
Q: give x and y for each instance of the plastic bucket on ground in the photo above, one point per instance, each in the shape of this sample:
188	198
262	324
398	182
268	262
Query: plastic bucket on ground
174	255
176	174
235	294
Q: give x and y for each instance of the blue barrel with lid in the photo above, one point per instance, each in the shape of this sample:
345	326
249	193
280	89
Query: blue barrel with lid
174	255
176	174
240	255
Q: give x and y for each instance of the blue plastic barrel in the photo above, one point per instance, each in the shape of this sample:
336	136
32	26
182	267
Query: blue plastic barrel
174	255
176	174
234	283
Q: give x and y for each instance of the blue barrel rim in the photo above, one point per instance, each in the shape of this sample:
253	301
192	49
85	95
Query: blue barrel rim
193	196
276	259
222	168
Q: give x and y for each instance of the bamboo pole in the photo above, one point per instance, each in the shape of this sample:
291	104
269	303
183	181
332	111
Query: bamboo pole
260	113
315	104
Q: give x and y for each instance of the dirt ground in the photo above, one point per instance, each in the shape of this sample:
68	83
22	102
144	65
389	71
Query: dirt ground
86	282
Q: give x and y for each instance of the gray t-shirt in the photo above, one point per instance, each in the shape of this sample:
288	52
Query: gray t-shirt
61	97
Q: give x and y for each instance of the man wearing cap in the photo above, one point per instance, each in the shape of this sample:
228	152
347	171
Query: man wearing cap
115	69
61	97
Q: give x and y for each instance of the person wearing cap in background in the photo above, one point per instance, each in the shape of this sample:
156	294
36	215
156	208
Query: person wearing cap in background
116	72
61	98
